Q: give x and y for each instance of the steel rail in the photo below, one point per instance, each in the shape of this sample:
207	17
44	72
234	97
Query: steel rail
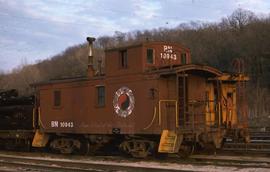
115	164
51	164
260	147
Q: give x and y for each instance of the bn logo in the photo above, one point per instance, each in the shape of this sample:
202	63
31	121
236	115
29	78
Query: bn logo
123	102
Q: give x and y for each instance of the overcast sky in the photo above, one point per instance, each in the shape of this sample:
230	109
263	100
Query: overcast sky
33	30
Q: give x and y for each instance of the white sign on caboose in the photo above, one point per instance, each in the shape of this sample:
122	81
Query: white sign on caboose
168	53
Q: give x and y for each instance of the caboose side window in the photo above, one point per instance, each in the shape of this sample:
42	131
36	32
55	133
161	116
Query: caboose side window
57	98
123	60
183	58
150	56
100	96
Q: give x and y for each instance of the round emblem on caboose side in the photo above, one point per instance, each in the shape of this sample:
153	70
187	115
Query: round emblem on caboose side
123	102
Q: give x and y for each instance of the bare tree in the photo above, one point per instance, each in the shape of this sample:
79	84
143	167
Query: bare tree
240	18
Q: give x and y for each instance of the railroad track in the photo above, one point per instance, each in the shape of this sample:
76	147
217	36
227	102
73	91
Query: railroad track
252	147
259	137
259	143
240	163
24	163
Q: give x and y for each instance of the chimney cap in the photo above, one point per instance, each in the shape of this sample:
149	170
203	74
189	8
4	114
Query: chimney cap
90	39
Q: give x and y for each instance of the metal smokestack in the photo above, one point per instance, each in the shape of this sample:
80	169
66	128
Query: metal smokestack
91	70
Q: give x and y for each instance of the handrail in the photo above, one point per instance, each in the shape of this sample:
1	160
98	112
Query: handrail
176	111
153	119
39	119
34	119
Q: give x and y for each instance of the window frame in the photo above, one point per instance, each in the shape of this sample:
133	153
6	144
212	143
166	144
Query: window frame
123	59
57	96
153	56
100	98
184	58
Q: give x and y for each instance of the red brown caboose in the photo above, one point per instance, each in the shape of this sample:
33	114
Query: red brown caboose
150	98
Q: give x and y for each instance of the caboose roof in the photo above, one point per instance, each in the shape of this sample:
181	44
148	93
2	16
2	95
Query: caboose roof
189	68
61	80
202	68
144	43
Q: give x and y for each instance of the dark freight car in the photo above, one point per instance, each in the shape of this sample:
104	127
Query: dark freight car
16	113
16	120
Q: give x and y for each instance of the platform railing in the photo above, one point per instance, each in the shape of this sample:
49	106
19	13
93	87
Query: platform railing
176	111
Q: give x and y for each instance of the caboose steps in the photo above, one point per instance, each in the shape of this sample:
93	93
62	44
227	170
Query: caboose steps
170	142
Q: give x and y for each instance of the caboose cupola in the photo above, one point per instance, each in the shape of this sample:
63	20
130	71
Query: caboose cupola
145	56
160	55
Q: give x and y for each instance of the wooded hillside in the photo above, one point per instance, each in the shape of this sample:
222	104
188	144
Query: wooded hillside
241	35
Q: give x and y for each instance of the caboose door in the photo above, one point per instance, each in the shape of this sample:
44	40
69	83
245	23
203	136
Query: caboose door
168	104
